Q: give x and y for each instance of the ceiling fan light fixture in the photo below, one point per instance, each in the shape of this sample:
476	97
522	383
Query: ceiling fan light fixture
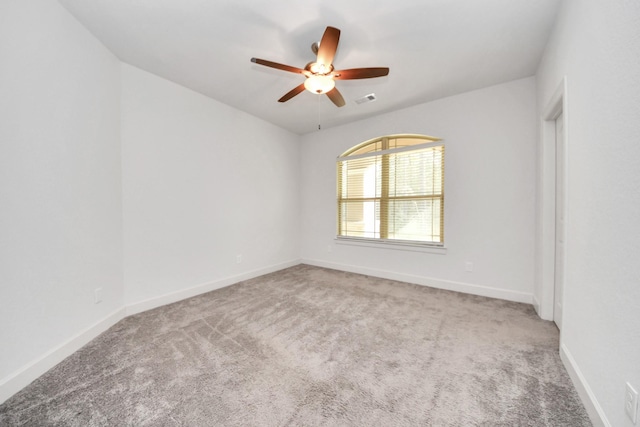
319	84
321	75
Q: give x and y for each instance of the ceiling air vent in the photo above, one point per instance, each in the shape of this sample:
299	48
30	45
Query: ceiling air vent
367	98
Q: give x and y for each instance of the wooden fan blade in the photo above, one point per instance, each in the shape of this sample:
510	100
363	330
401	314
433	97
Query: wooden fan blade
293	92
328	46
336	97
277	66
360	73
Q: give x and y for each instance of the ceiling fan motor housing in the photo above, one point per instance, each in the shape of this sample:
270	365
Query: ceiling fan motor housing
317	68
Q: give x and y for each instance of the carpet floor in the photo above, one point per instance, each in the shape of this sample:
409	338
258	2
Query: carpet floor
308	346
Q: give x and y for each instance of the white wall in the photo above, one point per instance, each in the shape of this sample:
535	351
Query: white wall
60	187
196	181
596	45
202	183
490	137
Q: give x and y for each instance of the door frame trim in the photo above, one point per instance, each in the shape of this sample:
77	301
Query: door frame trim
545	268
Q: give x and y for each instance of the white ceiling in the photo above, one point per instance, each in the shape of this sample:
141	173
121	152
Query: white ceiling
434	48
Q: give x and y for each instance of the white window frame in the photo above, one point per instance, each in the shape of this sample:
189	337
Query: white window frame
377	242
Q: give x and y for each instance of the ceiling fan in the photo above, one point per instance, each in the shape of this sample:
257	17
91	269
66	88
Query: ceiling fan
321	75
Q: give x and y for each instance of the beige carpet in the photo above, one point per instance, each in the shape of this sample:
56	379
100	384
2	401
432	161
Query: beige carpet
308	346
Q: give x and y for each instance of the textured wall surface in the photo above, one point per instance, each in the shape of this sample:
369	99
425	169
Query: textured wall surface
202	184
490	137
596	45
60	187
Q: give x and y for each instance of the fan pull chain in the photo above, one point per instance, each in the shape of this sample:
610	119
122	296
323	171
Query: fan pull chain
319	127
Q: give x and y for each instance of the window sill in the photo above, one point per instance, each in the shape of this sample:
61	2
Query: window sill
385	244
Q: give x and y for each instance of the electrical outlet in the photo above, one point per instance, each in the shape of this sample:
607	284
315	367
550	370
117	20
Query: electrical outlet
468	266
238	259
631	403
97	295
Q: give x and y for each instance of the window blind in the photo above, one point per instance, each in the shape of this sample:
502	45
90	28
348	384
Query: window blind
392	193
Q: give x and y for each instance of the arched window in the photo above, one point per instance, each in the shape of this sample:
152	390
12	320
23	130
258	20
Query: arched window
392	188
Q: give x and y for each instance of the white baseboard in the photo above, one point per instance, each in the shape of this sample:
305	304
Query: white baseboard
203	288
536	305
31	371
467	288
596	414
